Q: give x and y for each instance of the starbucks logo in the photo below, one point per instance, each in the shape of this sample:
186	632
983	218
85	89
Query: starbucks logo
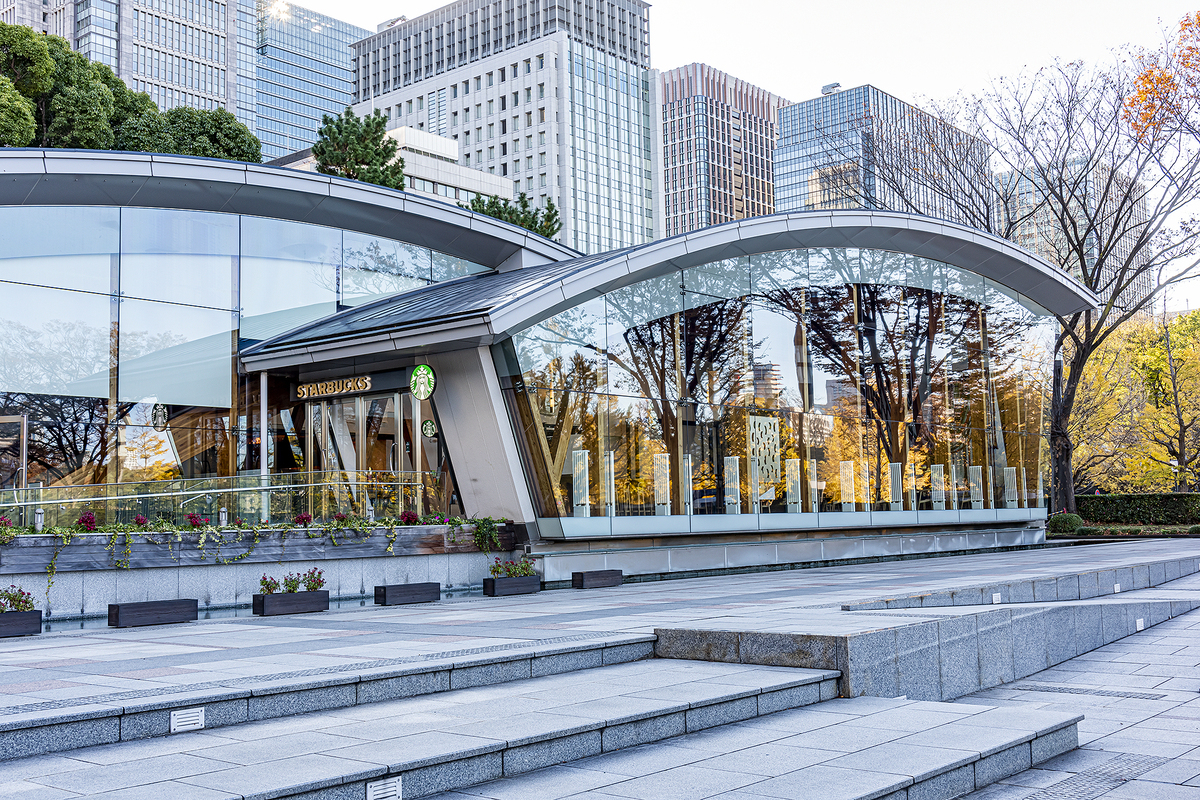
158	417
429	429
422	382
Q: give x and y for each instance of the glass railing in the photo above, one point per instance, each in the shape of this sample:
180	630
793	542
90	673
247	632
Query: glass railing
252	498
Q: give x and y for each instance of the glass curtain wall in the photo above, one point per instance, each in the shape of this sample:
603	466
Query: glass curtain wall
120	330
822	381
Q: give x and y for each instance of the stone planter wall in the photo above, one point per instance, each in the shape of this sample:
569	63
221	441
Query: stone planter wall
90	575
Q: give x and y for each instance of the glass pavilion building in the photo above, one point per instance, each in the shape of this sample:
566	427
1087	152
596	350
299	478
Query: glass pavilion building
783	389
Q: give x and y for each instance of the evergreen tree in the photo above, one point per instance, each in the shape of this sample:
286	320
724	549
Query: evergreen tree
16	116
359	148
77	103
544	222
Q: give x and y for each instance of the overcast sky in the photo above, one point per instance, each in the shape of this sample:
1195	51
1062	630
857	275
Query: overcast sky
912	49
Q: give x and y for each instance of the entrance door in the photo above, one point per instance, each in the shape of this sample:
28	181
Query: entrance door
14	452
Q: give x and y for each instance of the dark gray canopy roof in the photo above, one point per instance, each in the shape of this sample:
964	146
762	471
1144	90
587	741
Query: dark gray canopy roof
483	309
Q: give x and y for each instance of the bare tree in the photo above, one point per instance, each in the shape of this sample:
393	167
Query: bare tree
1057	162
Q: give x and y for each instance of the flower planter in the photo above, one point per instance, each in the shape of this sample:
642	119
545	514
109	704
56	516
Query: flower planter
501	587
402	593
155	612
270	605
20	623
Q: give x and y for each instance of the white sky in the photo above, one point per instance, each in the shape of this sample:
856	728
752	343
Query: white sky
913	49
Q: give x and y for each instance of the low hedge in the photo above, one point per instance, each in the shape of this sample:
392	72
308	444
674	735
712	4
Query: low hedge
1175	508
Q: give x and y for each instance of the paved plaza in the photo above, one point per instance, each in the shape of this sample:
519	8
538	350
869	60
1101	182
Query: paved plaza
552	695
90	666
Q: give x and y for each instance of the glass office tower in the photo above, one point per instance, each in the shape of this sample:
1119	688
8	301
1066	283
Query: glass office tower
302	72
863	148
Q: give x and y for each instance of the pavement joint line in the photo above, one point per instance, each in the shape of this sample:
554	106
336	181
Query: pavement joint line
1080	690
137	694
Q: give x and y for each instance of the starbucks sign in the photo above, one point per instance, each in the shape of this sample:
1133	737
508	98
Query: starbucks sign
429	428
422	382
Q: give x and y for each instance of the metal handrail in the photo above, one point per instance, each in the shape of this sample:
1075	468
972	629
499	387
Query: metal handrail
193	494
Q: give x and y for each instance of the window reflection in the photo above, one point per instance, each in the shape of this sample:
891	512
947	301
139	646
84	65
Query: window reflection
828	380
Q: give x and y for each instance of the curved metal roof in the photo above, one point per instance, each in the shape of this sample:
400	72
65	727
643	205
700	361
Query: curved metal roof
37	177
483	309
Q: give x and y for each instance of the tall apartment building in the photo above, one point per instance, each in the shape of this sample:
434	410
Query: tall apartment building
718	141
863	148
556	96
299	71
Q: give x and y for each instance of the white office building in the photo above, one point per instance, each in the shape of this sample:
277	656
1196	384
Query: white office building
556	97
431	168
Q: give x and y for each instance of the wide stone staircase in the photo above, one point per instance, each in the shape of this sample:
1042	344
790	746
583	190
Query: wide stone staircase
839	705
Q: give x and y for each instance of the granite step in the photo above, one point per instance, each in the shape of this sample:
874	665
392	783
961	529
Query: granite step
35	729
419	746
935	653
848	749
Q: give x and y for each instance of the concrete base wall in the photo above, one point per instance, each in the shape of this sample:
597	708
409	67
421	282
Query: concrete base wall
88	593
663	557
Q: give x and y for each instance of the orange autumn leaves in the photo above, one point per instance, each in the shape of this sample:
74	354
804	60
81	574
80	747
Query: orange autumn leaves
1167	86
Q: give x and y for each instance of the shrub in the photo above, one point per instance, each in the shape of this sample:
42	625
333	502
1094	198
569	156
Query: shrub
14	598
512	569
1131	531
291	583
410	518
1087	530
267	585
313	580
1064	523
1194	530
1167	508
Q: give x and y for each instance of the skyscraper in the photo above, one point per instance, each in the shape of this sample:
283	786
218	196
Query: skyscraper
557	97
718	141
863	148
276	66
301	72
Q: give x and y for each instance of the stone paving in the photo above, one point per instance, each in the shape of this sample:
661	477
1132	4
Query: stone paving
77	666
1140	739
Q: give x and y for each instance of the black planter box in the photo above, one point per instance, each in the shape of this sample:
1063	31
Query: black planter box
597	579
400	593
500	587
270	605
20	623
155	612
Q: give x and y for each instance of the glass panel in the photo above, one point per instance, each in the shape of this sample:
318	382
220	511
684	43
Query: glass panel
566	350
380	440
54	342
65	247
173	354
446	268
643	337
373	267
179	256
289	275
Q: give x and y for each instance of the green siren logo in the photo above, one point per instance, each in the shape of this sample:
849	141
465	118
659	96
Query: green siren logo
422	382
429	428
